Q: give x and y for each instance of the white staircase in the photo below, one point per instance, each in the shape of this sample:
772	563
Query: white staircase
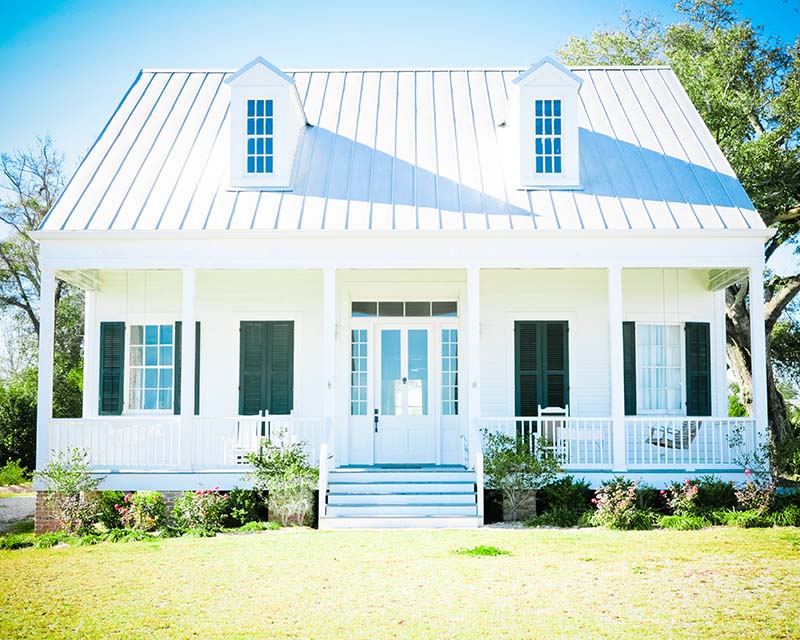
400	497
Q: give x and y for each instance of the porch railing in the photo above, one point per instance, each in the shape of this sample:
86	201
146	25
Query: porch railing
689	443
155	442
577	442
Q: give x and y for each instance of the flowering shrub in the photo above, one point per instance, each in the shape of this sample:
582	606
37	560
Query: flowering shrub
71	490
682	497
200	510
615	501
143	510
755	495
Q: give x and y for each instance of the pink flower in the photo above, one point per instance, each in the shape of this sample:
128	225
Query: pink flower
747	472
198	492
594	500
116	506
687	481
216	488
127	497
662	492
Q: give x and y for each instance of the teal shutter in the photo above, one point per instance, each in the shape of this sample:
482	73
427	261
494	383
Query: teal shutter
698	369
266	367
178	350
541	370
526	367
629	366
112	366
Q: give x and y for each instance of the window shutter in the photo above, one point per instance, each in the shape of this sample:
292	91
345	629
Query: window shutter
179	365
555	360
629	366
698	369
280	366
252	369
112	360
526	367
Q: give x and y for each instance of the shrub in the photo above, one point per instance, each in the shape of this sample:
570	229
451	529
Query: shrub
616	506
282	470
107	513
201	510
683	522
559	516
16	541
243	506
755	495
517	470
566	492
648	498
51	539
254	526
18	418
743	519
713	493
126	535
71	490
143	510
789	516
13	473
682	497
586	519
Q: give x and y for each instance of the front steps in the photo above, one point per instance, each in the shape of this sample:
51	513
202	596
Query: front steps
400	497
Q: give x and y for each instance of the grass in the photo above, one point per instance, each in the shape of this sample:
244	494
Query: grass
300	583
482	550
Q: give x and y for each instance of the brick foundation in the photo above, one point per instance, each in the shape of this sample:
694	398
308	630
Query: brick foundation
43	519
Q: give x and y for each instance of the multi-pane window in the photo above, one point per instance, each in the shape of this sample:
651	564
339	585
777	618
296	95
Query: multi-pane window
259	136
449	372
547	136
658	360
358	373
151	366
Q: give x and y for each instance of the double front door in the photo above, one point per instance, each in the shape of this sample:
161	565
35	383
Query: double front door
404	424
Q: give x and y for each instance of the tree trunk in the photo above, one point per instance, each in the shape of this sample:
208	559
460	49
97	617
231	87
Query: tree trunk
740	361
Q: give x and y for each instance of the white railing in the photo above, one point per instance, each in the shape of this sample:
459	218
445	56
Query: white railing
121	442
225	442
689	443
154	442
577	442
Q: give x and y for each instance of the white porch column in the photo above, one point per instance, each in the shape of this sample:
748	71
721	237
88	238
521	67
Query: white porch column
473	358
47	326
188	357
758	352
329	352
616	368
91	356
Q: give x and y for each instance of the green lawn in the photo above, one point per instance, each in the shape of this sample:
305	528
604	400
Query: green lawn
300	583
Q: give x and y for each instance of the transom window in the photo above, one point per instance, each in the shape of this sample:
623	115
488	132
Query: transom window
547	138
404	309
151	367
260	136
658	360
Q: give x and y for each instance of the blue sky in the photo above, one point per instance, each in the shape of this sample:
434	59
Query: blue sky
65	65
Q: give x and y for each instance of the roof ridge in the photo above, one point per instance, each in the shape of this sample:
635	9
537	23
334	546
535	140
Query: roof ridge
513	69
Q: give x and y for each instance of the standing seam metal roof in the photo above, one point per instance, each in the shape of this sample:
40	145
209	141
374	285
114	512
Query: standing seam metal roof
405	150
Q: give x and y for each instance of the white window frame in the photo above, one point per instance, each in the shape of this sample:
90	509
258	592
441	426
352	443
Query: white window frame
682	374
126	407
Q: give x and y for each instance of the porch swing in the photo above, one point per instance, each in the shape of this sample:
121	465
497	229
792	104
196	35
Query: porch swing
671	434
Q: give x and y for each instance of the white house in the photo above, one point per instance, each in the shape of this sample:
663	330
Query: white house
383	263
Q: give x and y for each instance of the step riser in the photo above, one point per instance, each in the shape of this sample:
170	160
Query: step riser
401	510
400	498
401	487
401	476
400	523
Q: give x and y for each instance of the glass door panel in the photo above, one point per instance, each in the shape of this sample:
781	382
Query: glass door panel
391	378
417	387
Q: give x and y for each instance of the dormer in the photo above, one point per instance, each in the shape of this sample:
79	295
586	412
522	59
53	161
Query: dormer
543	116
266	120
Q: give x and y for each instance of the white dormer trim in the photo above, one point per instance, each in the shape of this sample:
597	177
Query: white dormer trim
546	80
262	80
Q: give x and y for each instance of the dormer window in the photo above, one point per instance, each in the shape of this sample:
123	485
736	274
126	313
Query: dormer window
547	140
542	125
260	140
267	121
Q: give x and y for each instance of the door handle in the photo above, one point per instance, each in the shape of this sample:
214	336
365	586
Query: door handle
375	420
405	380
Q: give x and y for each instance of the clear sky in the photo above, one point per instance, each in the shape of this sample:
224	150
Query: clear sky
65	65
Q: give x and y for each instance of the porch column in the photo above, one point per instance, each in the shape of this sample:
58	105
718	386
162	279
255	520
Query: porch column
616	368
758	352
473	358
188	357
90	364
47	326
329	353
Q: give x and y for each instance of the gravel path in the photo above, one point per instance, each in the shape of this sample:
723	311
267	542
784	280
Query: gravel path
15	509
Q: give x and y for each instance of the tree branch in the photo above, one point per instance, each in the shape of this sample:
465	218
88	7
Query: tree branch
790	287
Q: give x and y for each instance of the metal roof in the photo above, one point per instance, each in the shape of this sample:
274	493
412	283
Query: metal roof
405	150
